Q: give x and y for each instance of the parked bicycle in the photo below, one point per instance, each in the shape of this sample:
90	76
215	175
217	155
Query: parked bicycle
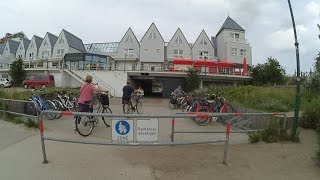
133	105
84	125
40	105
63	102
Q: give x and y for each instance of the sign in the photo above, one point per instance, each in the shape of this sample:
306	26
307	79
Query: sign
122	130
147	130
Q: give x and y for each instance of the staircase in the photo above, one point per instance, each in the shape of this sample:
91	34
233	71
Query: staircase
78	75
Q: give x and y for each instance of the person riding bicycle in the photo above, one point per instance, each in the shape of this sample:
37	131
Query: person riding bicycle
178	92
139	93
86	95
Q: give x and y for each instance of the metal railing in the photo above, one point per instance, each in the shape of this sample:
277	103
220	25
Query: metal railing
135	143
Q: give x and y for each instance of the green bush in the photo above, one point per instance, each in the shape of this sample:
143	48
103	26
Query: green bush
31	123
270	135
254	137
311	114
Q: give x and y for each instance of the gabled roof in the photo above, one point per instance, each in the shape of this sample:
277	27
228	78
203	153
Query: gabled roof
152	24
74	41
182	35
230	24
203	31
26	43
2	48
130	30
52	39
13	45
38	40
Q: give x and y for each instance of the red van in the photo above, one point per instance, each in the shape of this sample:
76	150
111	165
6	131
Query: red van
39	80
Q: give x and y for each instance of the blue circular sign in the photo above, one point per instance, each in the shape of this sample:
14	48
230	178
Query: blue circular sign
122	127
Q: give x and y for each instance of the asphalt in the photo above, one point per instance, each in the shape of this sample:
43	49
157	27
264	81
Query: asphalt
21	155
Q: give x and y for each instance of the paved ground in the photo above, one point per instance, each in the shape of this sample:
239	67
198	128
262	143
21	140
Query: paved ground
21	156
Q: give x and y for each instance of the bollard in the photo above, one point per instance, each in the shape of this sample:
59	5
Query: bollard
45	161
226	145
172	129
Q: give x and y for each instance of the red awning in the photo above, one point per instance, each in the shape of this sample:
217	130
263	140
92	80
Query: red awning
226	64
202	62
183	61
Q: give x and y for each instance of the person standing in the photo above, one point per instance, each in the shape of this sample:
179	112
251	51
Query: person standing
86	94
126	94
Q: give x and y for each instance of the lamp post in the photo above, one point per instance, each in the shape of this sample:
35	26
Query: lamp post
125	61
297	106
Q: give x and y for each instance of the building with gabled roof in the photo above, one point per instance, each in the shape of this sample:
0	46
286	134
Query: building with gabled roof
33	49
67	43
22	49
128	51
231	43
10	50
152	49
46	48
178	47
202	47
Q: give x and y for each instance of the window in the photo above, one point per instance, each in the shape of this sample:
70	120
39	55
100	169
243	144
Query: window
129	39
178	40
235	37
60	52
234	52
45	43
157	51
130	50
178	53
243	52
152	35
31	45
203	54
61	41
21	48
203	42
146	51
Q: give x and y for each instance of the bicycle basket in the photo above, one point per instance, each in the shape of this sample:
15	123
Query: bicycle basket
104	99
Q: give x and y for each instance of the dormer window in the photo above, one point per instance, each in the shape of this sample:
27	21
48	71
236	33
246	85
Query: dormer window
178	40
203	42
129	39
153	35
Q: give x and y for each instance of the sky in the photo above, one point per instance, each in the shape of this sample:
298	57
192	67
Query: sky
267	23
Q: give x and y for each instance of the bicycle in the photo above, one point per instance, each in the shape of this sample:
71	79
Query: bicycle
63	103
40	105
85	125
133	105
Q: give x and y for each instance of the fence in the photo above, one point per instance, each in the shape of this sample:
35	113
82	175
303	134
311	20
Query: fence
236	121
132	142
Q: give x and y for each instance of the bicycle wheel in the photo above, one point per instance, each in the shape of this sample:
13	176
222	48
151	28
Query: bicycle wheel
49	105
139	108
84	125
106	120
202	121
59	107
226	108
172	106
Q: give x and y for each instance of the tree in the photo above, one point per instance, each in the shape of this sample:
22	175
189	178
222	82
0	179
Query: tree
271	72
17	72
315	76
193	79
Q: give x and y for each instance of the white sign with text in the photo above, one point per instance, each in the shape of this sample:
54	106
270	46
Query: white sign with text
147	130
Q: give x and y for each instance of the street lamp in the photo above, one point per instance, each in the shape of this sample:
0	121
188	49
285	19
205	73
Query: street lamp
125	61
297	106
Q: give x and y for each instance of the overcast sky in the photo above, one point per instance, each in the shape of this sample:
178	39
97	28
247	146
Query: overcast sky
267	22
